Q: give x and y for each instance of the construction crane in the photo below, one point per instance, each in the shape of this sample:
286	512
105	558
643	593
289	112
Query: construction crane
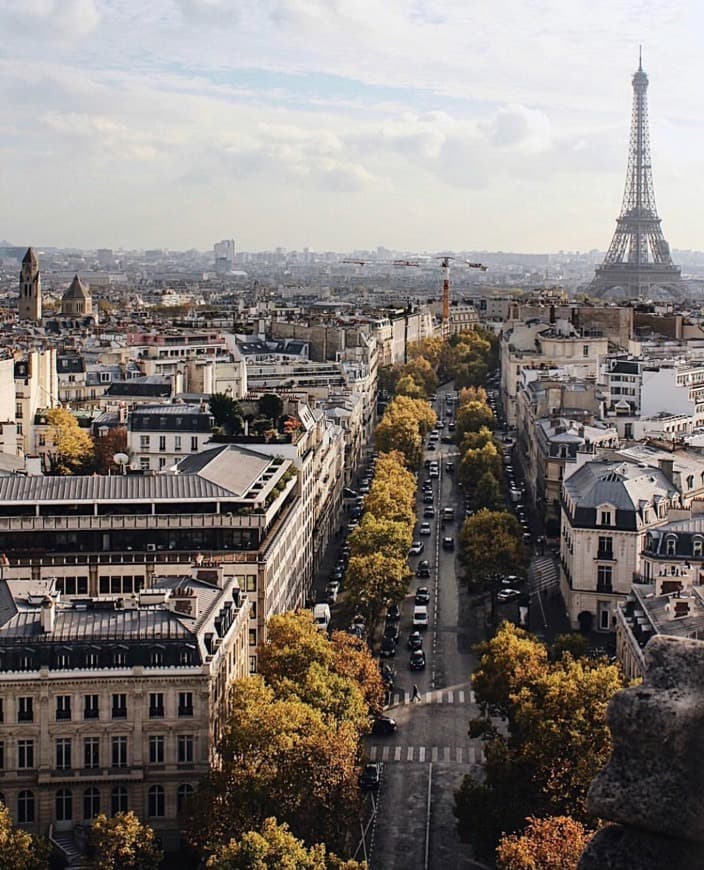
445	260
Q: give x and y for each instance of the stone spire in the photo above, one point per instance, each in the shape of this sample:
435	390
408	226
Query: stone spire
30	298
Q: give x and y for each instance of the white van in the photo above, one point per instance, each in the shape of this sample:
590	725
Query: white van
321	616
420	616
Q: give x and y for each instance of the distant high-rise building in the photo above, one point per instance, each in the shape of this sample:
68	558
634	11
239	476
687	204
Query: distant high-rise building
638	257
224	252
30	301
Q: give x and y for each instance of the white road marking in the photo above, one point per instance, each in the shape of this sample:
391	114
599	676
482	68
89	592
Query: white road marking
397	753
421	753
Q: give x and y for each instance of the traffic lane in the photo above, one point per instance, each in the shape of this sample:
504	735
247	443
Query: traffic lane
446	850
399	840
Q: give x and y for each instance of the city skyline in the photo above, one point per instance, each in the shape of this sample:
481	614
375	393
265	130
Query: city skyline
339	126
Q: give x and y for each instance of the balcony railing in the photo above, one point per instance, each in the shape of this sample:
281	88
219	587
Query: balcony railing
606	555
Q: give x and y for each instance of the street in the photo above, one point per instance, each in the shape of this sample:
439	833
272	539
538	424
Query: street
425	760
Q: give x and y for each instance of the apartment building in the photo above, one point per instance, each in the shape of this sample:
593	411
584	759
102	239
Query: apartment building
114	701
159	436
607	509
231	505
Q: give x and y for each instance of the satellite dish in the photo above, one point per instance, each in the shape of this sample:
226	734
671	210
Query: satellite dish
121	459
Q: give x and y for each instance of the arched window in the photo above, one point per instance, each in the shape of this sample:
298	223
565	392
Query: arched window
25	807
91	803
64	805
671	545
184	794
118	800
697	547
156	802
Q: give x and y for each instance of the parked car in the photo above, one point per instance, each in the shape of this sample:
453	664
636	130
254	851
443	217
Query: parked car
429	511
434	472
431	446
422	595
428	498
448	543
383	725
425	529
512	580
391	630
415	640
417	548
393	613
417	661
332	590
370	777
388	647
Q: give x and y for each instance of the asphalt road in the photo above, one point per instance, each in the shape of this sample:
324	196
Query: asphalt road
425	760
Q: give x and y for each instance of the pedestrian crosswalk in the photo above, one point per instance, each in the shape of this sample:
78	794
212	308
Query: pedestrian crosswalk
468	754
544	573
437	696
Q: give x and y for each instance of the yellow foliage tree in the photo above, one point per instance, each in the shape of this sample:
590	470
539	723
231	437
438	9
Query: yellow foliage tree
123	843
554	843
374	580
20	850
69	445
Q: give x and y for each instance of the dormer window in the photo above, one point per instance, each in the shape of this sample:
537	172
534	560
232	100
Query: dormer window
697	546
670	545
604	518
156	657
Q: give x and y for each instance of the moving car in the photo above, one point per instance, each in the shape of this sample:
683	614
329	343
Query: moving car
417	661
332	590
512	580
425	529
370	777
383	725
448	543
417	548
321	616
415	640
423	569
420	616
507	595
449	467
422	595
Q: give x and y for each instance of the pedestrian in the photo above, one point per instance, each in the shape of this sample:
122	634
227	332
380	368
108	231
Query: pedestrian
416	693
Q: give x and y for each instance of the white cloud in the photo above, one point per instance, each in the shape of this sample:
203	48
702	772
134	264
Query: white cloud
70	19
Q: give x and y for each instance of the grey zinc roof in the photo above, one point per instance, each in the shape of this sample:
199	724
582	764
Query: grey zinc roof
76	289
113	488
227	466
72	624
622	484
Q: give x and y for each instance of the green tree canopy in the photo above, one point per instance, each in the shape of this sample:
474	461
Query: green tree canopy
374	535
491	543
226	413
487	493
373	581
476	440
407	386
122	843
477	462
271	406
20	850
471	417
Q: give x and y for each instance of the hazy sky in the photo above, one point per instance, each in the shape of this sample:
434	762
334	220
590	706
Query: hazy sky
415	124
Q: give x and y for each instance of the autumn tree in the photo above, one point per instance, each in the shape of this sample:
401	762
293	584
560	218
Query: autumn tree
554	843
354	661
375	535
491	544
422	373
374	580
122	843
428	349
275	847
279	756
387	379
475	440
69	446
105	447
407	386
487	493
226	412
471	417
391	496
405	423
556	740
476	463
20	850
472	394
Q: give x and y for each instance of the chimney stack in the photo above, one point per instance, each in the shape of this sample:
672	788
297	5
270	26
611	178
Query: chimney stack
48	614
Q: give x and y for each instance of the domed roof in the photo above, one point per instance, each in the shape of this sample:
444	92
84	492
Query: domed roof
77	289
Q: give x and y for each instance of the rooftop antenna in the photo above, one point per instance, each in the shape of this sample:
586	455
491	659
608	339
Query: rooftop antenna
640	58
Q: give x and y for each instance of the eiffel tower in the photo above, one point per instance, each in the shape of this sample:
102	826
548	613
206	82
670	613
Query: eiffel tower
638	257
